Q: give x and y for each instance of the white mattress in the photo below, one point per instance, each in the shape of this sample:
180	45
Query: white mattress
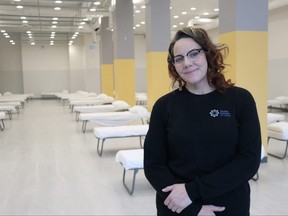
274	117
278	130
131	159
116	118
7	108
115	106
2	115
15	104
92	101
121	131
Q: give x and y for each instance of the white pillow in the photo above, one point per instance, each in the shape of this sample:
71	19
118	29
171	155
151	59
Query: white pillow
121	104
102	96
138	109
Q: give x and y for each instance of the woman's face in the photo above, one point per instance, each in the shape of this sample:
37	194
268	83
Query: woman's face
190	63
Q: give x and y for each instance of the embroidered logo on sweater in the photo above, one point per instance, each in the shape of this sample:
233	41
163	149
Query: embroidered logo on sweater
219	113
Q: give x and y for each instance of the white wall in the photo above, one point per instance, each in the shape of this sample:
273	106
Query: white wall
10	66
278	53
45	68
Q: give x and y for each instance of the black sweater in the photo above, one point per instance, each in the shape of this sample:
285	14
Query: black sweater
210	142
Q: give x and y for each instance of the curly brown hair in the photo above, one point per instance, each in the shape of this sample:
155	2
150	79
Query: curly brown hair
215	54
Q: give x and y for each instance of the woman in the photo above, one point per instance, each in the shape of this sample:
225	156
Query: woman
204	141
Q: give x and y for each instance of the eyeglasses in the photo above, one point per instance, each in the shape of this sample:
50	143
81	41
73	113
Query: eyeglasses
192	55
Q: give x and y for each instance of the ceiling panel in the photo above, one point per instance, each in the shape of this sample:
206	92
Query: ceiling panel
37	16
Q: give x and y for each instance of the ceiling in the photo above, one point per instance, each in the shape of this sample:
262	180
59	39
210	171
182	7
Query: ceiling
82	16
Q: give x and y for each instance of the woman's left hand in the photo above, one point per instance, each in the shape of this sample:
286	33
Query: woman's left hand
178	198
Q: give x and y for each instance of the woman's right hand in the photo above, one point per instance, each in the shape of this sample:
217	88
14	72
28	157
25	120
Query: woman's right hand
208	210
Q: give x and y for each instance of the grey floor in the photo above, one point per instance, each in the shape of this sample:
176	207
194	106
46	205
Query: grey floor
49	167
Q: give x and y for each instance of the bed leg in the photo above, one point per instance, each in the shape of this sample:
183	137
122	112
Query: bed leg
77	116
100	151
10	114
2	125
130	190
84	124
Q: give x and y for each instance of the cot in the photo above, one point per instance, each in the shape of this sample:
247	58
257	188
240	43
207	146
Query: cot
2	117
274	117
8	110
91	101
117	105
130	160
104	133
115	118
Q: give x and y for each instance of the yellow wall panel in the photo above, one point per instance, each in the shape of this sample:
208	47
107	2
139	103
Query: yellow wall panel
248	57
107	79
124	80
158	81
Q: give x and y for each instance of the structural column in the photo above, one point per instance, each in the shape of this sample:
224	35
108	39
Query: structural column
106	58
158	37
243	26
124	64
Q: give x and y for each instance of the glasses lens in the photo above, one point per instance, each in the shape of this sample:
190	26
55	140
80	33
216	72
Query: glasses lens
193	54
178	60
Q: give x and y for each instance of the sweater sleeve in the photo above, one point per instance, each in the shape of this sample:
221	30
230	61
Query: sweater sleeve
246	161
155	150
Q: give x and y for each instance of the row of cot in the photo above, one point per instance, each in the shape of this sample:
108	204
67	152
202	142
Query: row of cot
11	103
113	119
80	98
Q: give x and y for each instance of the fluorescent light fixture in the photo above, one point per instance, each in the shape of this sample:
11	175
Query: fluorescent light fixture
57	8
19	7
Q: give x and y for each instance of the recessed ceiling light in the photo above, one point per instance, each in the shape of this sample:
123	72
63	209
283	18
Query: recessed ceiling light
176	17
137	11
97	3
3	31
174	26
54	18
24	21
92	9
53	26
19	7
54	22
80	27
57	8
17	0
184	12
58	2
33	43
23	17
216	9
205	13
193	8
